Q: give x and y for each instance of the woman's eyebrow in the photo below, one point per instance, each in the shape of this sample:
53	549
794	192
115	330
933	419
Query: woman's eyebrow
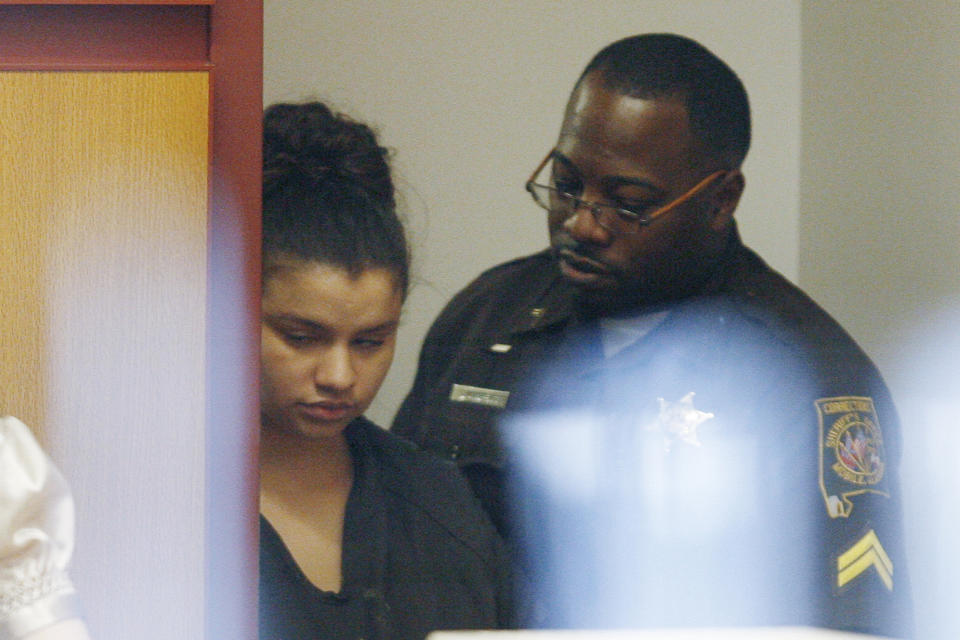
385	327
285	318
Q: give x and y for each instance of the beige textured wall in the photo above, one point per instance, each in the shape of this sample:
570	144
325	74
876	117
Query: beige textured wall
470	94
103	197
880	242
880	234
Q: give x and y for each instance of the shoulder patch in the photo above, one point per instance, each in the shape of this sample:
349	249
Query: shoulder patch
852	459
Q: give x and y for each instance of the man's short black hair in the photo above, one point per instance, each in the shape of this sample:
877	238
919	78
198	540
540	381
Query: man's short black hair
664	65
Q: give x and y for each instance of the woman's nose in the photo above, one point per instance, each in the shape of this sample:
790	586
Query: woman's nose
335	369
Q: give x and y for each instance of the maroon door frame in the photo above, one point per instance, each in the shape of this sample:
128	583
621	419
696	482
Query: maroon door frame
233	316
223	37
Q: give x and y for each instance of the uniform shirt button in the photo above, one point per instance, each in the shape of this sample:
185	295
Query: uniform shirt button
455	452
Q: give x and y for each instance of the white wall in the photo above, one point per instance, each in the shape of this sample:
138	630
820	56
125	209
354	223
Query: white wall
880	241
470	95
881	167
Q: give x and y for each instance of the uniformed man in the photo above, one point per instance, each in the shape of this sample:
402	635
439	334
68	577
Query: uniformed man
735	447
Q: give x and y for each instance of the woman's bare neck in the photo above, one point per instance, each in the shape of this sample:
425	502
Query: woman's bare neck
304	487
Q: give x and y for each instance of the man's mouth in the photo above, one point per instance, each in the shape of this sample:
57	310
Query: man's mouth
581	263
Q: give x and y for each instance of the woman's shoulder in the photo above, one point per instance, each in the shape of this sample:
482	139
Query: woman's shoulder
426	483
407	469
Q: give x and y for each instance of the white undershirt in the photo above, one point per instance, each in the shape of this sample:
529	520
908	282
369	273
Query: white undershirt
617	334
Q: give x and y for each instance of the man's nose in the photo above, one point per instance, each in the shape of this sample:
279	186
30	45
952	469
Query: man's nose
583	225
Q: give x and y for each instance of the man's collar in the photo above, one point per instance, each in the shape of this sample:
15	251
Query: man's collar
552	300
727	265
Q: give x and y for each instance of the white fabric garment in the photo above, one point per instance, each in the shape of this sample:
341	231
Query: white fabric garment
36	537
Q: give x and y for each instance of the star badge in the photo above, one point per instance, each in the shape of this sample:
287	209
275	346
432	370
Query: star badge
678	421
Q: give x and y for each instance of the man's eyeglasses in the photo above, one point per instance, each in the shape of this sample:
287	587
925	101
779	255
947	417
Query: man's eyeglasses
611	217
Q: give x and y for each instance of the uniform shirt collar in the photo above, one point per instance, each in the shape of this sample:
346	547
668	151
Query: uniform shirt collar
550	300
616	334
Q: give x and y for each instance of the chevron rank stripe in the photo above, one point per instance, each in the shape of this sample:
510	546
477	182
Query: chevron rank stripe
865	553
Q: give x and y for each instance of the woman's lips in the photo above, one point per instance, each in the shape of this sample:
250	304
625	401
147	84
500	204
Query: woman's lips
327	411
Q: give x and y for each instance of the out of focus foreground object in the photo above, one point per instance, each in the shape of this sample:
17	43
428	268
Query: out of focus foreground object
756	633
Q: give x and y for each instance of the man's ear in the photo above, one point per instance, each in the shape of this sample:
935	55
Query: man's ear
726	199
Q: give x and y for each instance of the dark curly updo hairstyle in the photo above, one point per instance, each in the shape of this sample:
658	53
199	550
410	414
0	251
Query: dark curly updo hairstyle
327	194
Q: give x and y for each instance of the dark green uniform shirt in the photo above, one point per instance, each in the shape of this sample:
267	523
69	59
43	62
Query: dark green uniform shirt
748	452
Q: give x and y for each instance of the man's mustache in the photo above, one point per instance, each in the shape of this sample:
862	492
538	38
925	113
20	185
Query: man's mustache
581	256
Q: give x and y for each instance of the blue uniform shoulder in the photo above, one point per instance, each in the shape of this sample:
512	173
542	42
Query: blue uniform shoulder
519	265
767	298
495	299
514	276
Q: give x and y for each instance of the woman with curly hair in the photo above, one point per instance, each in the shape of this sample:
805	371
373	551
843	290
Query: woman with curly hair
362	535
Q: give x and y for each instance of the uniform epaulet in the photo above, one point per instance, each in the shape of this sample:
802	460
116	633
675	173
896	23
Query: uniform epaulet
516	264
768	298
525	279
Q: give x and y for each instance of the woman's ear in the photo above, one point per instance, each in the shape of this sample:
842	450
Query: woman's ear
726	199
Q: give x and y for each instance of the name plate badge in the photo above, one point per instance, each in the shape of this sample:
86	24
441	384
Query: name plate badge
479	395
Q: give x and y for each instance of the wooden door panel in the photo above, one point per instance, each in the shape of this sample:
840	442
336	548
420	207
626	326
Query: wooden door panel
106	175
129	234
